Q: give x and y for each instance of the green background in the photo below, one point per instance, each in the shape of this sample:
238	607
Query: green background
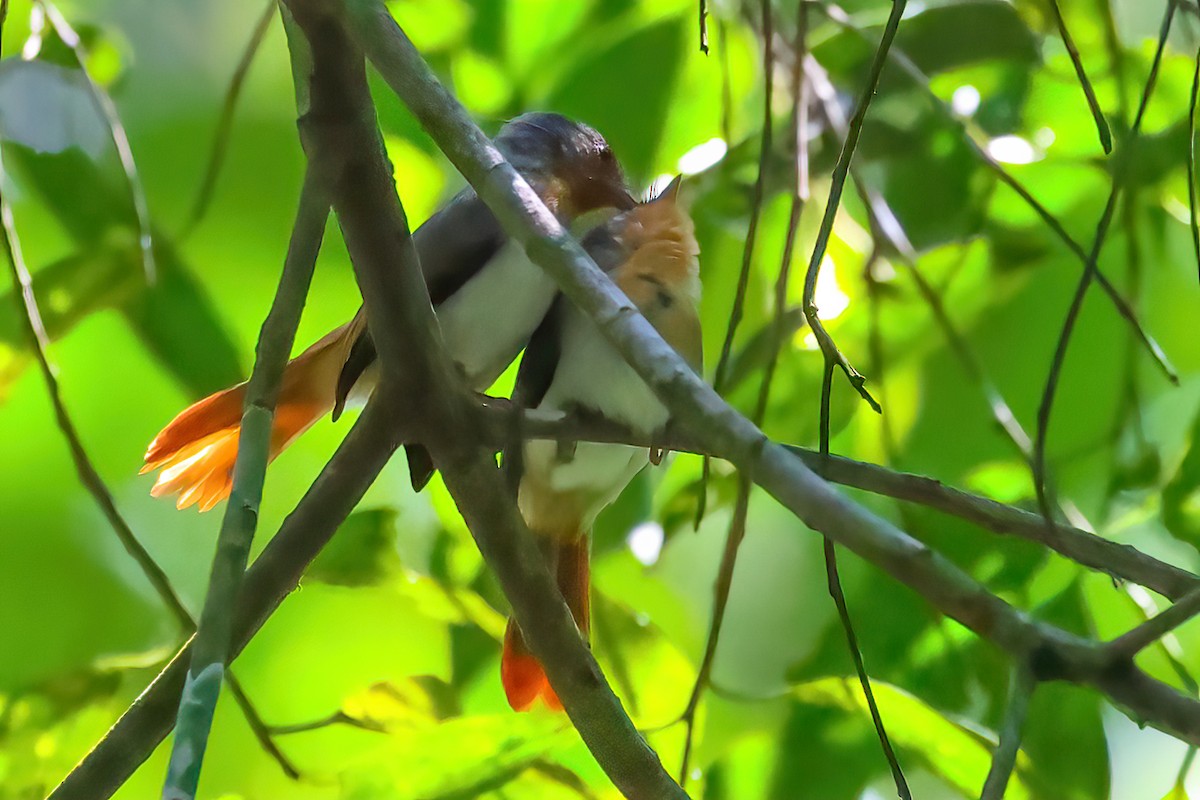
399	623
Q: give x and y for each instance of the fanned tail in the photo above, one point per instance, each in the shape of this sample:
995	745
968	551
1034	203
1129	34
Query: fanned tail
521	673
197	450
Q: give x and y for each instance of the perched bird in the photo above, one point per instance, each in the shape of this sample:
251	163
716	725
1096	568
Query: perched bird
488	296
650	252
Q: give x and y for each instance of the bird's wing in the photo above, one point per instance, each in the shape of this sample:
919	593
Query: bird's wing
453	245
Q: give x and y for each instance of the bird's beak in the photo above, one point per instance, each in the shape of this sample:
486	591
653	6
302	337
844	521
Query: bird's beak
605	193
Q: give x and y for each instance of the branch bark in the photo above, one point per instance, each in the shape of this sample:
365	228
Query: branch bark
341	133
1050	652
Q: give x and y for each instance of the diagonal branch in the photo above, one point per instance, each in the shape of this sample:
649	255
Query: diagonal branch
275	573
1122	562
1004	758
1090	273
1153	629
216	155
341	133
1089	93
116	128
213	641
1055	654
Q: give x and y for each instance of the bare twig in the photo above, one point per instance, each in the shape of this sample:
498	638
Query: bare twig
704	27
721	589
1085	84
108	110
756	203
214	634
841	171
1091	270
1004	759
1122	562
834	357
336	718
840	17
737	524
1191	160
1158	626
437	405
220	143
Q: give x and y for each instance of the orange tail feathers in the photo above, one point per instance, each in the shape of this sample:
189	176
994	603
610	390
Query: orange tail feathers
197	450
521	673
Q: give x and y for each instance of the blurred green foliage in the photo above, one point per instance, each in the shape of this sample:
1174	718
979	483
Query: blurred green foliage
397	625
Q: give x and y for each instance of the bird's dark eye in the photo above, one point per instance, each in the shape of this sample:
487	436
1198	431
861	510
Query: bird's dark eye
665	300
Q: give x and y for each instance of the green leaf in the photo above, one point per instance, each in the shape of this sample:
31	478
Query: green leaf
67	291
174	318
949	36
176	322
1181	498
362	552
597	90
951	749
461	758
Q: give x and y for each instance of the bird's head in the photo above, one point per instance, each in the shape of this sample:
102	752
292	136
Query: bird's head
652	255
569	164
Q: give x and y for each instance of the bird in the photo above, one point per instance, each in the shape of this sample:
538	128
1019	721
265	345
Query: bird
488	296
650	252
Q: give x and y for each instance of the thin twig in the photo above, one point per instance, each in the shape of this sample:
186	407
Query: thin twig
344	135
837	15
834	584
726	83
1091	270
29	314
841	171
1004	758
108	110
214	633
704	27
737	524
834	357
1191	161
1153	629
721	589
220	143
757	196
1093	104
756	203
1120	561
336	718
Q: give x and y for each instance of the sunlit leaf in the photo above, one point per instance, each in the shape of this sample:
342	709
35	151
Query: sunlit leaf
958	753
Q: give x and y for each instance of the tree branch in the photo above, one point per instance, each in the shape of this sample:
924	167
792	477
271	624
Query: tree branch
699	411
342	130
1121	561
1004	758
108	111
212	643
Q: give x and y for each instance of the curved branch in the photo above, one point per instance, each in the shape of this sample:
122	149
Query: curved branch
1121	561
